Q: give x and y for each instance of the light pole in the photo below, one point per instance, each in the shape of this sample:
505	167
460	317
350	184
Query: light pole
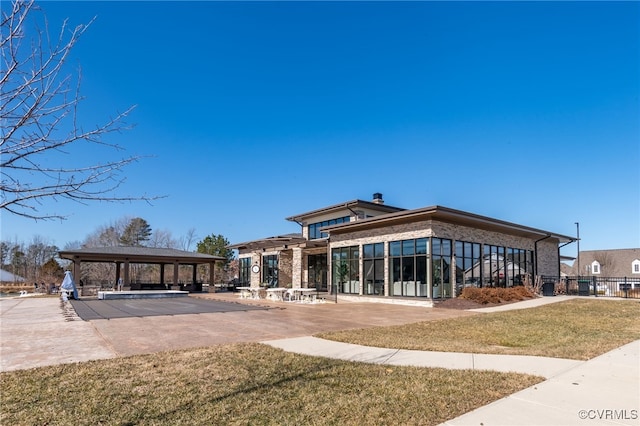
578	241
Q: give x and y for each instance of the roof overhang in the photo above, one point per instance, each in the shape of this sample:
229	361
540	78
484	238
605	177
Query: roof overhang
280	241
137	255
349	205
447	215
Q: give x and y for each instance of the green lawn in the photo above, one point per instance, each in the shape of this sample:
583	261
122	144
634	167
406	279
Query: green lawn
576	329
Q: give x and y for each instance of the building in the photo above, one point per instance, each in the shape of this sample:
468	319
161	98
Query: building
7	277
367	249
608	263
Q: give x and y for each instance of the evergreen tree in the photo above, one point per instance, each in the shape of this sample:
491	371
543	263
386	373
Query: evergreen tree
137	232
52	271
216	245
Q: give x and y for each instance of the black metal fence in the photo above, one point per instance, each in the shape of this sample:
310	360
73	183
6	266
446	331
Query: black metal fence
626	287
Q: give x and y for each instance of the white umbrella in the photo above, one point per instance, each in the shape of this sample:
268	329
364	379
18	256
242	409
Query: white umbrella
69	285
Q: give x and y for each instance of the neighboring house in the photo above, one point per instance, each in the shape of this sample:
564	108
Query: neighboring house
565	270
369	249
608	263
7	277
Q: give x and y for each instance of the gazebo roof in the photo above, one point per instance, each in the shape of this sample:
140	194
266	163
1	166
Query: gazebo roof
137	255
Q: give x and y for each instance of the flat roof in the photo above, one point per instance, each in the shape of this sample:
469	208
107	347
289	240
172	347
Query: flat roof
137	255
272	242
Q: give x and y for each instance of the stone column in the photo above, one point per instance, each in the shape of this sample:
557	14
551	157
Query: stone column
296	268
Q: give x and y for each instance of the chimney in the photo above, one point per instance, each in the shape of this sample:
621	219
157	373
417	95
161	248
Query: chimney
377	198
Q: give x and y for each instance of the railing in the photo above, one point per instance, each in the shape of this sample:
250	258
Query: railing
625	287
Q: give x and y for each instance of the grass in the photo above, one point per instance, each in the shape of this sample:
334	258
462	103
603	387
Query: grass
576	329
245	384
260	385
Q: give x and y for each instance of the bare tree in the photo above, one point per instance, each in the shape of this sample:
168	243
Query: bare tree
37	253
104	236
606	261
162	238
186	241
39	113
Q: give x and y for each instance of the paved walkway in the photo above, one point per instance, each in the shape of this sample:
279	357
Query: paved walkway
539	366
601	391
605	390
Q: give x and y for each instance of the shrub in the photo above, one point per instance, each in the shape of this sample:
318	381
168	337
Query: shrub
496	294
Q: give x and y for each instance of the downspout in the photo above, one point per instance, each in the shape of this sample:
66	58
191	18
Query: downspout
559	247
535	249
330	268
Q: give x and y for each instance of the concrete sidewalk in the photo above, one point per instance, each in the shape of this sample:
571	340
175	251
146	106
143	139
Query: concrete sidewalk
539	366
601	391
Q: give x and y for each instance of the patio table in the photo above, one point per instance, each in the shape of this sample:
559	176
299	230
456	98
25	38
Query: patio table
276	293
249	292
244	292
300	294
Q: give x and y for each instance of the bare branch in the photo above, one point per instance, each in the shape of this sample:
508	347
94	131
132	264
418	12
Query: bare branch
40	126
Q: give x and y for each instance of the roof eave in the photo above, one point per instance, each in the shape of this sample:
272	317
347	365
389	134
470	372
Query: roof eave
346	205
445	214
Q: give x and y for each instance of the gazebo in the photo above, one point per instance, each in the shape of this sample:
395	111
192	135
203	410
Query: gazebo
142	255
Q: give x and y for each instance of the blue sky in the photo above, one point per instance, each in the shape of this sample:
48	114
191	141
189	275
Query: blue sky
253	112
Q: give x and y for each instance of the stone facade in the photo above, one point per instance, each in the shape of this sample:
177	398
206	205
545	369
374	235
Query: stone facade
430	228
298	269
285	268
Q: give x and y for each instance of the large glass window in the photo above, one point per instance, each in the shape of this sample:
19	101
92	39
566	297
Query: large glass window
494	266
408	267
314	228
518	266
441	267
505	266
346	269
270	270
468	265
373	255
244	275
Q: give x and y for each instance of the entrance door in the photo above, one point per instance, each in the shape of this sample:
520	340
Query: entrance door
317	270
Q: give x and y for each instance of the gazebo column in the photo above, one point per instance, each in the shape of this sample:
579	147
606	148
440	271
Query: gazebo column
127	279
162	273
118	266
175	273
194	275
212	273
76	271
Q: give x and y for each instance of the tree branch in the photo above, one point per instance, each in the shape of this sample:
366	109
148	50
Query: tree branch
39	115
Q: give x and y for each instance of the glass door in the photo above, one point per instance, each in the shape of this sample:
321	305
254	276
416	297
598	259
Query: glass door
317	269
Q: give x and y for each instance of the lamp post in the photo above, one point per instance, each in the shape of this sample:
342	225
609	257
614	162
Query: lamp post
578	241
